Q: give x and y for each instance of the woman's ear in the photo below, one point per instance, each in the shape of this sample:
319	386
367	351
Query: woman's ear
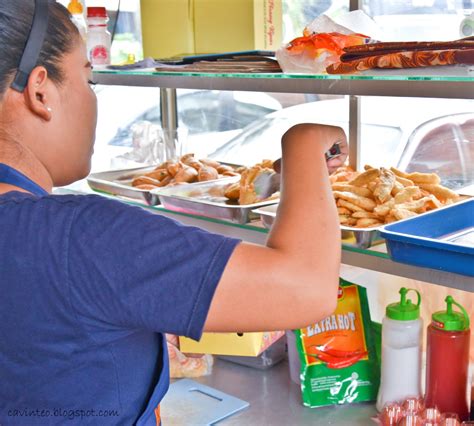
38	93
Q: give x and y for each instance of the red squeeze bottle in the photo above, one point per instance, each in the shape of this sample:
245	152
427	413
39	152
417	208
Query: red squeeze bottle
447	361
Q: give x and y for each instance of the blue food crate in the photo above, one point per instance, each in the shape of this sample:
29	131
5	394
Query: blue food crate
433	240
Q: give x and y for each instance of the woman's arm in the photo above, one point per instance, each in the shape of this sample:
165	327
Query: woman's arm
293	281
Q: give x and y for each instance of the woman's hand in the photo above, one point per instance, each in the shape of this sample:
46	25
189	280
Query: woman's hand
327	138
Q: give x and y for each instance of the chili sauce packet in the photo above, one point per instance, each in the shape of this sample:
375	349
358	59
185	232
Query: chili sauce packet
339	364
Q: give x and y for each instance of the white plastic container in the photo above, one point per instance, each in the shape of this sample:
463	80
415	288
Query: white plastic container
98	38
402	330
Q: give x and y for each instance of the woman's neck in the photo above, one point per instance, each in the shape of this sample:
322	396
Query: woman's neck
23	160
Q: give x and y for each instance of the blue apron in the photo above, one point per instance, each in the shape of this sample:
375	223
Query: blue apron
151	416
14	177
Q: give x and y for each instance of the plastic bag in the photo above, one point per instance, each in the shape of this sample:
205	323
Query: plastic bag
186	365
153	145
322	44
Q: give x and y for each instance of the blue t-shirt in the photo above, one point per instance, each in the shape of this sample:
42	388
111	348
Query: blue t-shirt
87	287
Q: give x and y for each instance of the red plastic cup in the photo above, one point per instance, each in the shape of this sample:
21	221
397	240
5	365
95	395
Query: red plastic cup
450	419
391	414
414	405
411	419
431	414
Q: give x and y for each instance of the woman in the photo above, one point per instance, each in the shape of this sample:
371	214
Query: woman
89	285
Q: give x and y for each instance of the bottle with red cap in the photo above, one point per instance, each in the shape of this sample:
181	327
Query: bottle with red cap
447	361
98	38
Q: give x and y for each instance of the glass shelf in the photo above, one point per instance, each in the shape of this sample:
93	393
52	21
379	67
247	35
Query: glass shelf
374	258
412	83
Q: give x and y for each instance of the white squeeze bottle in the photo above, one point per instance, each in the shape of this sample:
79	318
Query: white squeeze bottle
402	330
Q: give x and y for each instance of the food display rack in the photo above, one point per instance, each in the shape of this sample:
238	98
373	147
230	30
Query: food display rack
440	82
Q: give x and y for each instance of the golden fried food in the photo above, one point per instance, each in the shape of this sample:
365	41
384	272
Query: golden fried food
384	185
174	168
390	219
397	187
400	214
366	222
362	202
209	162
344	218
185	170
381	195
408	193
343	211
365	177
347	220
247	189
163	165
249	193
232	192
145	180
195	164
440	192
187	157
384	209
366	215
158	174
342	174
223	168
418	178
228	174
186	174
207	173
403	181
359	190
266	164
348	205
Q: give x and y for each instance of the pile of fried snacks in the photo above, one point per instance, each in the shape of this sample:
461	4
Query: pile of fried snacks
380	195
187	169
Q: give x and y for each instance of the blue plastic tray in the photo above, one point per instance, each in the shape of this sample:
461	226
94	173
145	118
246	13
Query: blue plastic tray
441	239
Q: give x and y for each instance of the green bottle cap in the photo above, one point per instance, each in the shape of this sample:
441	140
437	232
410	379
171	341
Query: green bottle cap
449	320
404	310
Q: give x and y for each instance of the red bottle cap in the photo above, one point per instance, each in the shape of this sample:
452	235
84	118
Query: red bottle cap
96	12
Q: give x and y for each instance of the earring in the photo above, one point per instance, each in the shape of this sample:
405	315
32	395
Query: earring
49	109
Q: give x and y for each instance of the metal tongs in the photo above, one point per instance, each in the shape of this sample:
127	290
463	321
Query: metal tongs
266	184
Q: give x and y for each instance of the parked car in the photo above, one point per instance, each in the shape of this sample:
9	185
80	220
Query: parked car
393	133
210	117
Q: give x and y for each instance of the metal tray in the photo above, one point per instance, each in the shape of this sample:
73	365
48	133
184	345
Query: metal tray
207	199
119	182
357	237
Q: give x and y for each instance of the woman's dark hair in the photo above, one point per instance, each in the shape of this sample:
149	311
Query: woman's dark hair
16	17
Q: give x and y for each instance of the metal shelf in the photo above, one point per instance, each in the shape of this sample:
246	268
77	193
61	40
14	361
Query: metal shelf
452	83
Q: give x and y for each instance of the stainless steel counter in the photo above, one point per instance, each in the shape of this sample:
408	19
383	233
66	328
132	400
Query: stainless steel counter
275	400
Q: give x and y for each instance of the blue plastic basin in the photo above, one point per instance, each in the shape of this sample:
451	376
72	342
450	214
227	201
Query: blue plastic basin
421	240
